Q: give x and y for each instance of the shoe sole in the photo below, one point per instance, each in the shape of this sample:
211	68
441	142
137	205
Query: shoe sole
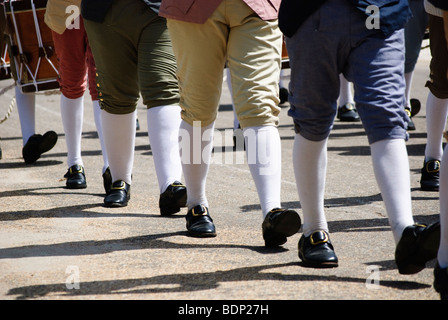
321	265
49	140
428	246
115	204
33	152
77	186
288	224
424	188
201	234
349	119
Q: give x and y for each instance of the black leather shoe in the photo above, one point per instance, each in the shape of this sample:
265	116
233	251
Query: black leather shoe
107	180
430	179
278	225
317	251
199	222
283	95
441	281
76	178
418	244
347	113
38	144
415	107
173	198
119	195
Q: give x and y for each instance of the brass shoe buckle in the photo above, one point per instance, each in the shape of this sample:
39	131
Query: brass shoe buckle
199	214
77	171
436	169
324	240
120	187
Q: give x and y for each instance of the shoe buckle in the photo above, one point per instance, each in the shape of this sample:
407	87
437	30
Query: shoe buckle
316	242
174	185
421	225
203	211
435	166
120	187
77	171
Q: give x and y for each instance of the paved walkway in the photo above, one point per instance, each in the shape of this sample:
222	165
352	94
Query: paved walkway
57	243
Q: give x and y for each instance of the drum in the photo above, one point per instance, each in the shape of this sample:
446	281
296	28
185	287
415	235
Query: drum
33	60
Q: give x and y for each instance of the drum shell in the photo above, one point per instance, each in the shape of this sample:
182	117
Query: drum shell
34	67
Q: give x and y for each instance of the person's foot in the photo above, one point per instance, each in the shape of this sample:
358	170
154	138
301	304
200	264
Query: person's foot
317	251
173	198
283	95
418	244
278	225
441	281
38	144
347	113
415	107
429	180
119	195
199	222
76	178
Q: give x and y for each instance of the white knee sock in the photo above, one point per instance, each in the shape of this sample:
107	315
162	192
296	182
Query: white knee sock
391	168
263	150
196	145
345	92
99	129
442	256
163	132
310	167
72	112
236	122
436	113
408	79
119	139
27	114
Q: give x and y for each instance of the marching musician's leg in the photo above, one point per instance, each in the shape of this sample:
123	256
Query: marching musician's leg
200	53
118	92
91	78
70	48
33	144
254	59
27	114
160	93
134	56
